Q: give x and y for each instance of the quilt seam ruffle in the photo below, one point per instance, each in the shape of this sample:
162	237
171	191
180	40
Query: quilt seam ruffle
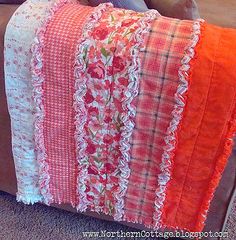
172	132
130	94
79	106
37	81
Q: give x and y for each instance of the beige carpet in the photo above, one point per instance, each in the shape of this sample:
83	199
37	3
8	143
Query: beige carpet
39	222
230	224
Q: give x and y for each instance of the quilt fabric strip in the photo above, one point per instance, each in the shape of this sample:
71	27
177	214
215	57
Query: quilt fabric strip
60	37
28	18
157	105
110	52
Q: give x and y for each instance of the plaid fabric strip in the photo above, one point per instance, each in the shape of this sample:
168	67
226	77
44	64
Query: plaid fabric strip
59	51
161	61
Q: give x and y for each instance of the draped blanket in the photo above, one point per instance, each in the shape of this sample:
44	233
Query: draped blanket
118	112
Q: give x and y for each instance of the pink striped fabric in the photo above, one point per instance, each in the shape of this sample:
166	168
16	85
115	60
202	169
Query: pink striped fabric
59	55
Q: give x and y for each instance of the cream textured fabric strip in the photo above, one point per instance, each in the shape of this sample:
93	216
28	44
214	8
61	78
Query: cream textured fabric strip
19	36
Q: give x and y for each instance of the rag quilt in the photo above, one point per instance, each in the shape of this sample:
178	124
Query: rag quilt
119	112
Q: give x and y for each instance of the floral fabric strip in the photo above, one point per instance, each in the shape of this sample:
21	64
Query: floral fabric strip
27	18
107	84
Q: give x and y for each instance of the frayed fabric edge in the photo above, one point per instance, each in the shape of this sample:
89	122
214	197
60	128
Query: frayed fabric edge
28	199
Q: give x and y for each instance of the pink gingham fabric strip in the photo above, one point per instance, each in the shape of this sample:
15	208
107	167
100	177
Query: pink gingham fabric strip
56	45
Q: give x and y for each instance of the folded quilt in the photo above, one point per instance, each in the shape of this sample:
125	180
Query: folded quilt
118	112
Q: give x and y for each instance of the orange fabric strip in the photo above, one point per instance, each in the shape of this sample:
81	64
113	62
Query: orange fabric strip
203	147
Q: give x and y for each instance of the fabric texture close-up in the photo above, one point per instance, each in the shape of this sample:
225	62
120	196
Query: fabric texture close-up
124	113
19	86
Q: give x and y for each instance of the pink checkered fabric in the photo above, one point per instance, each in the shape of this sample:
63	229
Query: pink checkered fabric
61	36
161	61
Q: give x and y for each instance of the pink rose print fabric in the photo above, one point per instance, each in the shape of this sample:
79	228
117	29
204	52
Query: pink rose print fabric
110	79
